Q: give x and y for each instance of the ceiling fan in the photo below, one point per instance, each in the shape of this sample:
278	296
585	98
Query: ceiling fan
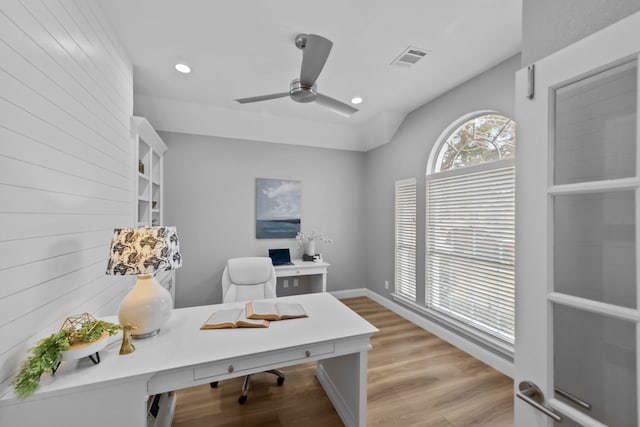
315	50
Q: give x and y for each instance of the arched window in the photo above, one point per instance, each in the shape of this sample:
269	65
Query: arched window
470	228
482	139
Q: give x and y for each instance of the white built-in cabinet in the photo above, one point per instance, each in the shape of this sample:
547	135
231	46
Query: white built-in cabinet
148	184
149	149
148	205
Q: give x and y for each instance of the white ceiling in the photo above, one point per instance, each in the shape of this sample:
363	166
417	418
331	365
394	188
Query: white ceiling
243	48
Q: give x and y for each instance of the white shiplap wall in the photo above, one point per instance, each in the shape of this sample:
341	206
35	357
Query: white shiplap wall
66	162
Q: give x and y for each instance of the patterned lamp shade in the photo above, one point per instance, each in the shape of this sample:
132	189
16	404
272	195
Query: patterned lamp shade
144	250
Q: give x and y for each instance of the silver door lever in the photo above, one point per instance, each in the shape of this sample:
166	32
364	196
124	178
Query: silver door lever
573	398
531	394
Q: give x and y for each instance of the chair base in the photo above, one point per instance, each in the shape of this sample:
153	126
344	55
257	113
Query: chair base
247	384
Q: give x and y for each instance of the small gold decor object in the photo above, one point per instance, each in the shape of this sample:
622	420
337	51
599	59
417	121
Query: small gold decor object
86	336
141	167
73	324
127	346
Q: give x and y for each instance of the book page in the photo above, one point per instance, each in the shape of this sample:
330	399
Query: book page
224	317
252	323
290	309
274	311
261	308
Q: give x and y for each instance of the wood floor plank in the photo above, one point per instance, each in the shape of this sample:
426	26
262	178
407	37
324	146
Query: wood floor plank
414	380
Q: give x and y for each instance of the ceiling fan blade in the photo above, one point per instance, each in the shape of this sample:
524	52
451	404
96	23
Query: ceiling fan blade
262	98
314	56
335	105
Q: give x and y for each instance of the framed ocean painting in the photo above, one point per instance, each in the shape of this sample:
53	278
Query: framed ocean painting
277	208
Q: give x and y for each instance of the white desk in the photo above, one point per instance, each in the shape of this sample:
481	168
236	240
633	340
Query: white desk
114	392
317	270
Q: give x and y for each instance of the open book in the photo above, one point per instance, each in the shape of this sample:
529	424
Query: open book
233	318
270	310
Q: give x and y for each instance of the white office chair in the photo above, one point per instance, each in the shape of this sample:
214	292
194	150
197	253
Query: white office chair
246	279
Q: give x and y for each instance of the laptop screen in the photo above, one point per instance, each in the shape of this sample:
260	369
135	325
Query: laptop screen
280	256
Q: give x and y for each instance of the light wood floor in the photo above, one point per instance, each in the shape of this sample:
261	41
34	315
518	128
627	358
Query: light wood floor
415	379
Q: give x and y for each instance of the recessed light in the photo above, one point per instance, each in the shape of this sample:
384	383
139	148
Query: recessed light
183	68
356	100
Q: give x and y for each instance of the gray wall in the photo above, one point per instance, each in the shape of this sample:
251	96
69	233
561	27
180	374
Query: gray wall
406	156
210	195
549	25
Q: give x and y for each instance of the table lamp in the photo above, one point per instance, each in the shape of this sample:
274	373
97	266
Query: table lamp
144	251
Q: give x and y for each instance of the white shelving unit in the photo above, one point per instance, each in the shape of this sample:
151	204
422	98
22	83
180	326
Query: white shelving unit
149	197
149	149
148	208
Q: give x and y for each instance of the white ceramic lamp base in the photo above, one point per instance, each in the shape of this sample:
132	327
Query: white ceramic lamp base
147	307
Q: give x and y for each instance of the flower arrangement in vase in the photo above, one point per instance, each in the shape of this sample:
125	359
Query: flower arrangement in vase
308	240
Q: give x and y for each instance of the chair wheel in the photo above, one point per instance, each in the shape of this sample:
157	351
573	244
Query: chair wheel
214	384
280	381
242	399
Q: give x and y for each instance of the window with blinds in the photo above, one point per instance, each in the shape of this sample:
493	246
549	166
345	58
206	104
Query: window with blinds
470	249
405	262
470	230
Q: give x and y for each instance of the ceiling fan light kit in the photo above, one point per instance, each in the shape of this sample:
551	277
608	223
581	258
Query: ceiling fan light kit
315	51
183	68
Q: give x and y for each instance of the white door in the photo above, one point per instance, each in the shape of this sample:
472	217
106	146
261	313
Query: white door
577	216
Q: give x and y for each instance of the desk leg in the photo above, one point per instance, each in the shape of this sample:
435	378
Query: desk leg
344	379
318	282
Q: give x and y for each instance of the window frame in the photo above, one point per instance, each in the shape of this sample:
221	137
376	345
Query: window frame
399	272
498	344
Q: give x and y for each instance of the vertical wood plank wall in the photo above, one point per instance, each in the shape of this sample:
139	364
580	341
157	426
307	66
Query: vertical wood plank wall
66	97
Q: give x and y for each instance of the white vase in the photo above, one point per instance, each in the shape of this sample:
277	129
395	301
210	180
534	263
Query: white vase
310	249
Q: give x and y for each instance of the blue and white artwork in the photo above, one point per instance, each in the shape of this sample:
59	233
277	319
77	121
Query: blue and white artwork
277	208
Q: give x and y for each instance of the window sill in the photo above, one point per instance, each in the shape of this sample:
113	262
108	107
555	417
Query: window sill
499	348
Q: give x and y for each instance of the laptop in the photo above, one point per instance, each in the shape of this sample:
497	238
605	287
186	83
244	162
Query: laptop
280	257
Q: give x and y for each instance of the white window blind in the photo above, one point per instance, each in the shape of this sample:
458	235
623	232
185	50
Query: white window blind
405	277
470	244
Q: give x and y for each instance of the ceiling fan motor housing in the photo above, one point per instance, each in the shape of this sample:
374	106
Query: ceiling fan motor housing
301	92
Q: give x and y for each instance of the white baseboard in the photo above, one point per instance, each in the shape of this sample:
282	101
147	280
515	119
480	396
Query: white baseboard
484	355
351	293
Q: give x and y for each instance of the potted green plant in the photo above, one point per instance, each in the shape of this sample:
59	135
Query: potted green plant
76	332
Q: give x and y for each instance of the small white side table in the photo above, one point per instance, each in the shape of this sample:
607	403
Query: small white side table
317	270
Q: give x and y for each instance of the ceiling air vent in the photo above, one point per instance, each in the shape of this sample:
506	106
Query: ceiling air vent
410	56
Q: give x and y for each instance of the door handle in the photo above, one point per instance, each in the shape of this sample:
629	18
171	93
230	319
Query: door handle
531	394
575	399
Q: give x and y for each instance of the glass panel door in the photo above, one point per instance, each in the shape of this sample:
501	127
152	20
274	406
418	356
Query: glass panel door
577	210
595	362
595	126
594	244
